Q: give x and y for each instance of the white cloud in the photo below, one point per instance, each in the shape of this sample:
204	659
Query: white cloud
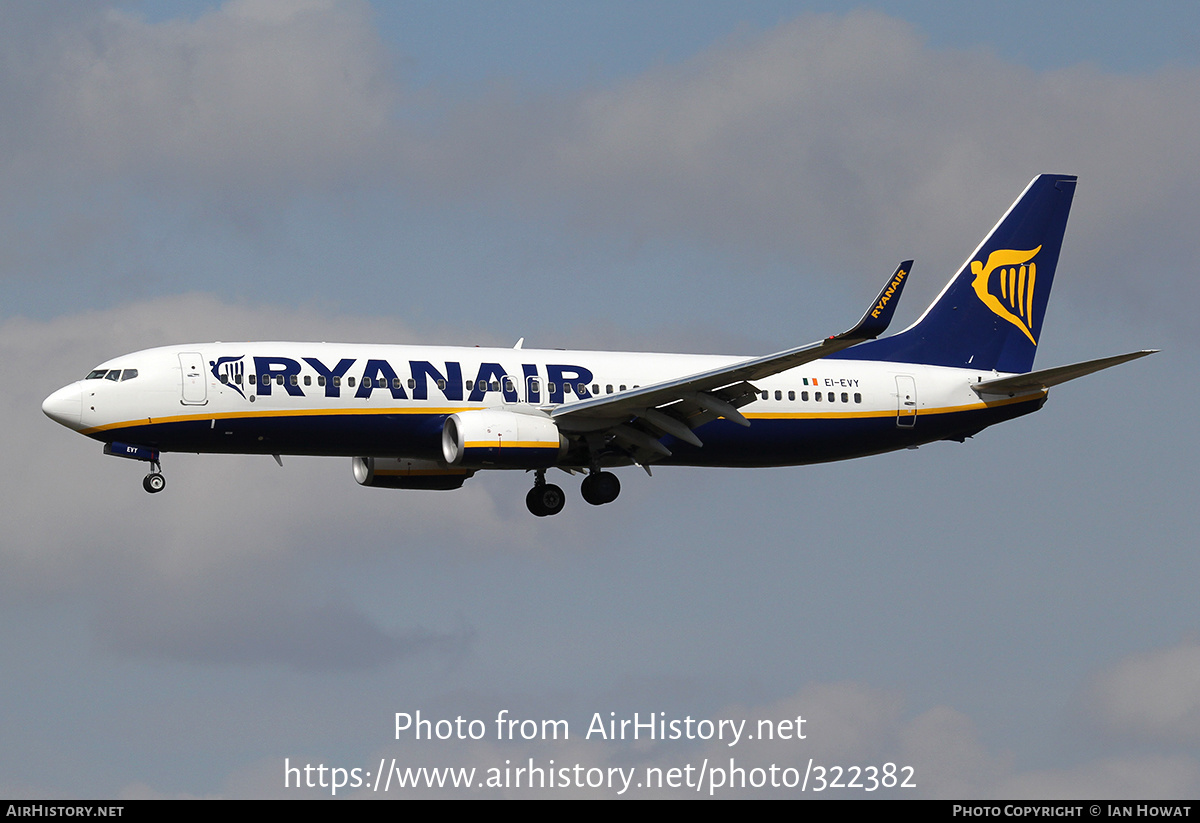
847	724
1134	778
224	566
253	92
845	139
1150	696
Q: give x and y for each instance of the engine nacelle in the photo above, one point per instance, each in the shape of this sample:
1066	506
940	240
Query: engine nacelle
406	473
501	439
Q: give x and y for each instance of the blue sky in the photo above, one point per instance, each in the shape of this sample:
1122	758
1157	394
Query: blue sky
1014	615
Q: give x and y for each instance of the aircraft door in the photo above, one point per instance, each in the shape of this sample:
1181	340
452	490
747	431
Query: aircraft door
195	388
906	401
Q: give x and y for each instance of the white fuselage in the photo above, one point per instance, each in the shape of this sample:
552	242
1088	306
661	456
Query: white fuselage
389	401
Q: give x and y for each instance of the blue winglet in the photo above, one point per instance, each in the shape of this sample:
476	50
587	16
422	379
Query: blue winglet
879	316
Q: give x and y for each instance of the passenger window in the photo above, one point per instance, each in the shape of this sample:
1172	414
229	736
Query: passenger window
320	380
581	389
470	385
279	380
566	388
224	378
396	383
366	381
441	384
412	384
845	397
350	382
337	380
608	389
595	388
817	396
791	395
253	379
508	385
552	388
804	396
308	379
294	380
495	385
764	395
778	394
857	397
622	387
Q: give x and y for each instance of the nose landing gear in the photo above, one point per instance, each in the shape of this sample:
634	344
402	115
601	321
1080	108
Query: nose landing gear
154	482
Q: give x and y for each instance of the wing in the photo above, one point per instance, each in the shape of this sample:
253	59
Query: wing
639	417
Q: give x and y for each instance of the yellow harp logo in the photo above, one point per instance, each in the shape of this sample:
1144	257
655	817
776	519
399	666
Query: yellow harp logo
1012	297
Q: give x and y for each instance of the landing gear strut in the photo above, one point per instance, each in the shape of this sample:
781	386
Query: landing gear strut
600	487
544	498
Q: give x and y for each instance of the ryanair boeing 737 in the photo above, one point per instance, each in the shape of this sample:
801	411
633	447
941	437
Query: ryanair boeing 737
420	417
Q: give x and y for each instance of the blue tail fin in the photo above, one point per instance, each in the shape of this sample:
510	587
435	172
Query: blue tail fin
990	315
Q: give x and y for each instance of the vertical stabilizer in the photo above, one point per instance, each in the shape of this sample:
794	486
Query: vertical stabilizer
990	314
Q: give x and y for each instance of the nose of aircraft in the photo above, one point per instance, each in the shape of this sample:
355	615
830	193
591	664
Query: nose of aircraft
65	406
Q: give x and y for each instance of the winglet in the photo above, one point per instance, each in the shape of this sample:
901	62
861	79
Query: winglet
879	316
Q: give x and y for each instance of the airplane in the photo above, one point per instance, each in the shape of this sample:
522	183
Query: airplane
426	417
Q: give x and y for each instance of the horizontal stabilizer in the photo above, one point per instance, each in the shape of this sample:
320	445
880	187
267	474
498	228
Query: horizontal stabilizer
1044	379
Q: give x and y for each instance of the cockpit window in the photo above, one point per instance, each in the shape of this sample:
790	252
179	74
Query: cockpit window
114	375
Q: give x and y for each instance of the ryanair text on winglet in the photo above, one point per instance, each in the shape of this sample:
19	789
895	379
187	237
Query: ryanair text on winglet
888	292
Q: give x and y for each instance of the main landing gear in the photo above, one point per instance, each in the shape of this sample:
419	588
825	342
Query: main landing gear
545	499
600	487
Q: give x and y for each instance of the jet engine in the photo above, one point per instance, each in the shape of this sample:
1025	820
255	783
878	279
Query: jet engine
493	438
406	473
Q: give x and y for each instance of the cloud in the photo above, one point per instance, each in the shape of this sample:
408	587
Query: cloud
830	128
227	566
846	725
844	141
1132	778
847	141
255	92
1153	696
